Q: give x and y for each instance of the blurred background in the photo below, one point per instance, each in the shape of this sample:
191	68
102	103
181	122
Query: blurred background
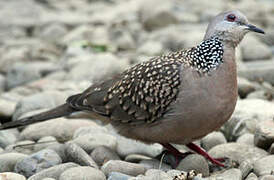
51	49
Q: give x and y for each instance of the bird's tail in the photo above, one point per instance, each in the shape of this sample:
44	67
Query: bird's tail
59	111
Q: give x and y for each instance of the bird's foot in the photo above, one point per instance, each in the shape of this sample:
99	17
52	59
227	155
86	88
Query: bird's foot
179	155
200	151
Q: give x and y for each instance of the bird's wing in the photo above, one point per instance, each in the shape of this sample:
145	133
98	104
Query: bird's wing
141	94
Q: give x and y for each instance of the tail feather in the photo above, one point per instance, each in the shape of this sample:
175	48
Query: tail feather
59	111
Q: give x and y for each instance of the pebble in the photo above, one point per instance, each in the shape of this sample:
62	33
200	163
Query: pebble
271	149
83	172
267	177
194	162
264	135
264	165
103	154
245	167
118	176
212	140
135	158
233	173
127	146
53	172
60	128
155	164
246	138
157	174
7	108
237	152
76	154
11	176
37	162
252	176
9	160
45	142
90	141
8	137
123	167
89	130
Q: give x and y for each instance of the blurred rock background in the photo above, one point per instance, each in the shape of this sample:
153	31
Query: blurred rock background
51	49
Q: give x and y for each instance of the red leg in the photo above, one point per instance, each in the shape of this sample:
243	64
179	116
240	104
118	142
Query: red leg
200	151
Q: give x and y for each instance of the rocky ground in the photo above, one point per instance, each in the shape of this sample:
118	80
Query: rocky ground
52	49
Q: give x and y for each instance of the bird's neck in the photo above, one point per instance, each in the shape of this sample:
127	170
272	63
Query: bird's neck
208	55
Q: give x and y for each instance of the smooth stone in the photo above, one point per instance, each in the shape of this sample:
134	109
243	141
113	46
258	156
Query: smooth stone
237	152
174	173
245	87
267	177
60	150
251	176
271	149
264	166
11	176
157	174
118	176
90	141
122	167
233	173
8	137
37	162
264	134
2	83
245	167
212	140
60	128
25	147
135	158
194	162
260	94
155	164
48	179
45	142
248	113
89	130
7	108
76	154
53	172
246	138
83	172
127	146
103	154
9	160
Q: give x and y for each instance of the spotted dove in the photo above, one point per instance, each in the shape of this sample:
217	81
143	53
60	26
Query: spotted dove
174	98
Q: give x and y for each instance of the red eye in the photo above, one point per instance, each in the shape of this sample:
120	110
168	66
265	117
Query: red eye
231	17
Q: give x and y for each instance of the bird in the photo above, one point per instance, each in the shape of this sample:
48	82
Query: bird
174	98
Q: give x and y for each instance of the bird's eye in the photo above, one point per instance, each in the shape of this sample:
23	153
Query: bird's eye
231	17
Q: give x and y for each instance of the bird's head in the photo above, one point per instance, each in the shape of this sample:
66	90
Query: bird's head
231	27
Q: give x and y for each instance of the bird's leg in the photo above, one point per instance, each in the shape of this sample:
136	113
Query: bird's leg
177	154
200	151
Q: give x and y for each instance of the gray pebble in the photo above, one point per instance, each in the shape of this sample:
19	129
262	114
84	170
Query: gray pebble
45	142
11	176
135	158
118	176
8	137
237	152
246	138
122	167
9	160
60	150
267	177
102	154
155	164
48	179
75	153
25	147
157	174
83	172
7	108
90	141
127	146
233	173
212	140
271	149
53	172
251	176
264	165
37	162
264	135
89	130
194	162
246	167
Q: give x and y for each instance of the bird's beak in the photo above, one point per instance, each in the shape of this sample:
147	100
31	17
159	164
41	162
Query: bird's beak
253	28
